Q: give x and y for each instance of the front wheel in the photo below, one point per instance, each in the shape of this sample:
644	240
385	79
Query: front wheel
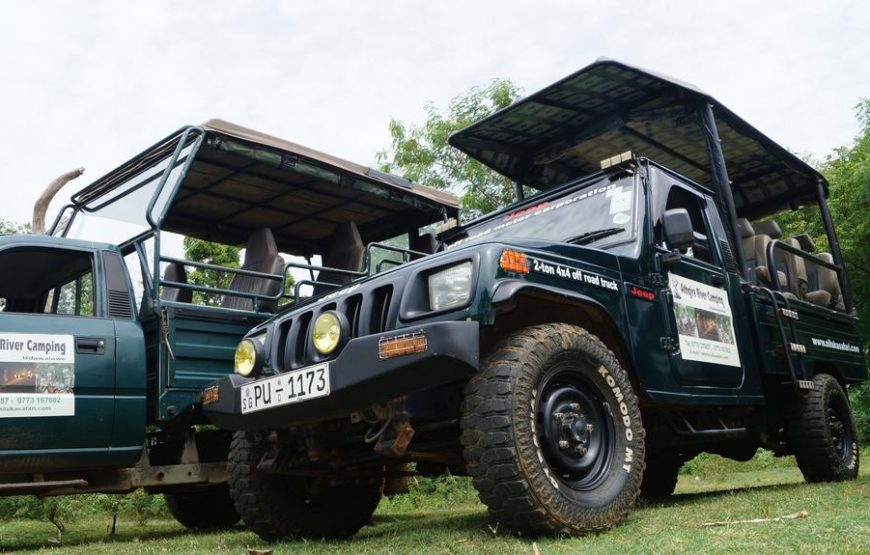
552	433
291	507
822	433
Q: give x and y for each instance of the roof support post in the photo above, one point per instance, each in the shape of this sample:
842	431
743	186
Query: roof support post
723	184
836	253
519	188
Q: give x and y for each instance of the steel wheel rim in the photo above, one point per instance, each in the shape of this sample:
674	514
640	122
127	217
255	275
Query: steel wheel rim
840	432
574	430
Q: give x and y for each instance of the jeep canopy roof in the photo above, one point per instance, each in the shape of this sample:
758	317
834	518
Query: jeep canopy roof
606	108
227	181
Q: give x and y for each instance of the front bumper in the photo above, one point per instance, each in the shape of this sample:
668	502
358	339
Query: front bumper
360	378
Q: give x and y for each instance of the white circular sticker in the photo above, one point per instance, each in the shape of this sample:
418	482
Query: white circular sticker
621	218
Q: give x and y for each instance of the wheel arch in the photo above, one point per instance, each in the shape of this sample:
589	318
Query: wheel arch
520	305
824	367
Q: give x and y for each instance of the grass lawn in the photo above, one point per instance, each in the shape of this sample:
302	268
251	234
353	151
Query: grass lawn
450	520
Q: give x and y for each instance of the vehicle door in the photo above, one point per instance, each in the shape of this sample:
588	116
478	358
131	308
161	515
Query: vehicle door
57	360
698	308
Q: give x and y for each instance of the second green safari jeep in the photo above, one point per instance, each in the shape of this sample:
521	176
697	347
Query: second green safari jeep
574	349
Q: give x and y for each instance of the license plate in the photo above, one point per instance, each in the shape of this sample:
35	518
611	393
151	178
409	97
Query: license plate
291	387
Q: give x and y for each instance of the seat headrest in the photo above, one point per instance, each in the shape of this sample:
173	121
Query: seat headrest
769	228
805	242
745	228
260	244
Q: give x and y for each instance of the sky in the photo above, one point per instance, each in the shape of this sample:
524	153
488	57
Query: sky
93	83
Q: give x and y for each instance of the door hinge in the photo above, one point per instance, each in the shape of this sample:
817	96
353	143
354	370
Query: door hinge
669	343
657	280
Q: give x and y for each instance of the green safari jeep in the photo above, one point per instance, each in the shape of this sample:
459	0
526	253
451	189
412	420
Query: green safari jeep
572	350
108	336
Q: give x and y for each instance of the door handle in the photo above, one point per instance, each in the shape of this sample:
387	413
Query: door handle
717	280
90	345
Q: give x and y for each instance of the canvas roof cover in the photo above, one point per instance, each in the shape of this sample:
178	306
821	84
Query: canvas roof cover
564	131
241	180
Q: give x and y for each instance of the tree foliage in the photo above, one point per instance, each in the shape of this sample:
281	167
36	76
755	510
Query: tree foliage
10	228
421	153
199	250
847	170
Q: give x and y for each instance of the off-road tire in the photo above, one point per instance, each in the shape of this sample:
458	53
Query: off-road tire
278	507
511	465
660	476
207	508
822	433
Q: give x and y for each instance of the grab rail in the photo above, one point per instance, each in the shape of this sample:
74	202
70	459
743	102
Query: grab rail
771	264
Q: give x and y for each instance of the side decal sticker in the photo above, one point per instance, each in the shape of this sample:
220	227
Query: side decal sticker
37	375
573	274
705	326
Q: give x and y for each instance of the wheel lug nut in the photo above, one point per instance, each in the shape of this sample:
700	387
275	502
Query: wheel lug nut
558	415
589	427
563	444
581	450
574	406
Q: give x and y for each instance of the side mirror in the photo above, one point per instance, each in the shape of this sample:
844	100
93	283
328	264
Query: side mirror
678	229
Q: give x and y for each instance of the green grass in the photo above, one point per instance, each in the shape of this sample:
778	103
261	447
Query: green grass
443	516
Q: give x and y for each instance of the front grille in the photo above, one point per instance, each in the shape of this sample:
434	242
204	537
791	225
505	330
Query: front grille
366	314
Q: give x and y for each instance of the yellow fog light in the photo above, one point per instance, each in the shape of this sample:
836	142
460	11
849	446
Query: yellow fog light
246	358
327	332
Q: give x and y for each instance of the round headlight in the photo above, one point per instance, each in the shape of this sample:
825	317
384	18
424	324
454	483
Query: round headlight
327	332
246	358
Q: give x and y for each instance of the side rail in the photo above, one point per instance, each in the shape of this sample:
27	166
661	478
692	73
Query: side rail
252	296
381	263
334	277
808	257
372	264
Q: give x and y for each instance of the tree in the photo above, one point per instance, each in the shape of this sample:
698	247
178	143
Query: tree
847	170
199	250
11	228
421	153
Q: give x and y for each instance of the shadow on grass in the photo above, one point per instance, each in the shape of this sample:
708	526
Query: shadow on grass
89	536
679	499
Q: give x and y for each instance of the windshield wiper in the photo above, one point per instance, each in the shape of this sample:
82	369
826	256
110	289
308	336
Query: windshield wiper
591	236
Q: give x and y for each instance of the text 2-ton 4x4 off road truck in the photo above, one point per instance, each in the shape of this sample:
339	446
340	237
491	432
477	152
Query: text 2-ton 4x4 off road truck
106	345
572	350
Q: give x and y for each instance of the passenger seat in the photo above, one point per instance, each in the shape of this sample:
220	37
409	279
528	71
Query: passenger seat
755	238
824	285
346	252
261	255
175	272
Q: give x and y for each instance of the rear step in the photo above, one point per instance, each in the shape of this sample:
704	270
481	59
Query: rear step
36	488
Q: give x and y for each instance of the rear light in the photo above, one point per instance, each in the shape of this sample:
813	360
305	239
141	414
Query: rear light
514	261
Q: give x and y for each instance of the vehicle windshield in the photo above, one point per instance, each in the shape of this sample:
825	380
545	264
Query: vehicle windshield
602	214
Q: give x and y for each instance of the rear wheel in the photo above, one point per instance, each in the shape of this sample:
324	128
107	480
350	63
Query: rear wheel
290	507
822	433
552	433
203	508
